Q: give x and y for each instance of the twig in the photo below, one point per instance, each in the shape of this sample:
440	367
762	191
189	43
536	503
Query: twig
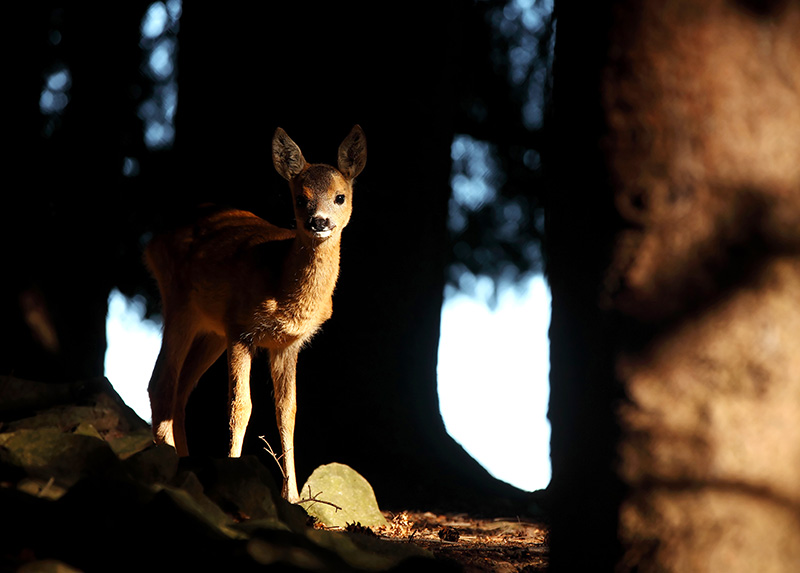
315	498
275	456
46	488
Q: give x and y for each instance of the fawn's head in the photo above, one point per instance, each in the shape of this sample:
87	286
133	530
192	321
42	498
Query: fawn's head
322	194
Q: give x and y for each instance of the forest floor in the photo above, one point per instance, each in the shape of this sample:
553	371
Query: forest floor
474	545
73	458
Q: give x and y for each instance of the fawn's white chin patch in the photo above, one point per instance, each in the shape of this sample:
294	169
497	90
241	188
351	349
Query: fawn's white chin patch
322	234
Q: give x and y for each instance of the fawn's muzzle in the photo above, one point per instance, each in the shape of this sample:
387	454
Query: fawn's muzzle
320	225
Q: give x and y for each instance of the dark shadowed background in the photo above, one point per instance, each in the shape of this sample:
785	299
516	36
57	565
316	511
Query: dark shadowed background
125	117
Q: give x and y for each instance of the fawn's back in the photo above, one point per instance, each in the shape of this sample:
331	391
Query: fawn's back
235	274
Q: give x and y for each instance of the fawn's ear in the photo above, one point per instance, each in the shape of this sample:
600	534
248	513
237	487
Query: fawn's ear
353	153
286	155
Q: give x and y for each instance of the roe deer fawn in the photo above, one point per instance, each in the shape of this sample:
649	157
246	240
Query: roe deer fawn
233	281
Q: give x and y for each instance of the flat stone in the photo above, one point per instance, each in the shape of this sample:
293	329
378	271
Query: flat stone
345	488
154	465
50	453
47	566
241	485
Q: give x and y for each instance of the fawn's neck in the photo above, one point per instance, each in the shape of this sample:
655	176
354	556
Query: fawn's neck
313	270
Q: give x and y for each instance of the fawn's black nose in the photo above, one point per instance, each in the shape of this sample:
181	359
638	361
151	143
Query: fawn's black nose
320	224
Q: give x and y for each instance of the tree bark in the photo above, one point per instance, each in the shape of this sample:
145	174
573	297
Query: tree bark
676	436
66	216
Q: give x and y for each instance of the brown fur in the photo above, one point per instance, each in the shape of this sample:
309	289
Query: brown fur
232	281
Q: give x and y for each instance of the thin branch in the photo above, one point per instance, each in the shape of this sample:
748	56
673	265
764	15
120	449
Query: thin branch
275	456
46	488
315	499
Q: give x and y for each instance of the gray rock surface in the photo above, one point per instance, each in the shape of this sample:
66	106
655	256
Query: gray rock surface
344	497
82	488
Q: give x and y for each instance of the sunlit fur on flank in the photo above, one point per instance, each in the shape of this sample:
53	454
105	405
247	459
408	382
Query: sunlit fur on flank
232	281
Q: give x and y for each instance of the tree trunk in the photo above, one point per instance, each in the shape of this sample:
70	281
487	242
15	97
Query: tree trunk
675	269
66	211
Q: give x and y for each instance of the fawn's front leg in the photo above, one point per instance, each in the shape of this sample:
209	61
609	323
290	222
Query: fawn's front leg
240	405
283	365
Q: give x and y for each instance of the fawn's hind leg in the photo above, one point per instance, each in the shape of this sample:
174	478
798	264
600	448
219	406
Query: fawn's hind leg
163	387
204	351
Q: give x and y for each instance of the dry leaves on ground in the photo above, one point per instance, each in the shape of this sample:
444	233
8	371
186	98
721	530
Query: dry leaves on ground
509	545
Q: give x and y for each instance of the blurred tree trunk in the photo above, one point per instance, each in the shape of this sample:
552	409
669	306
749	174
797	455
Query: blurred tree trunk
66	207
367	383
675	266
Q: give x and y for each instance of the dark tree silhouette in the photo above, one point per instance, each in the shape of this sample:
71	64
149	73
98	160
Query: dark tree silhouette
67	215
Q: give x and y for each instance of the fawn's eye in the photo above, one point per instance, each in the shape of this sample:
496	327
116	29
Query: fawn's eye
339	200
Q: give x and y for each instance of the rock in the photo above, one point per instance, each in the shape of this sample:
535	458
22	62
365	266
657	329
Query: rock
70	418
344	487
367	553
127	445
49	453
25	398
47	566
241	486
45	489
22	397
288	554
154	465
83	487
189	501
